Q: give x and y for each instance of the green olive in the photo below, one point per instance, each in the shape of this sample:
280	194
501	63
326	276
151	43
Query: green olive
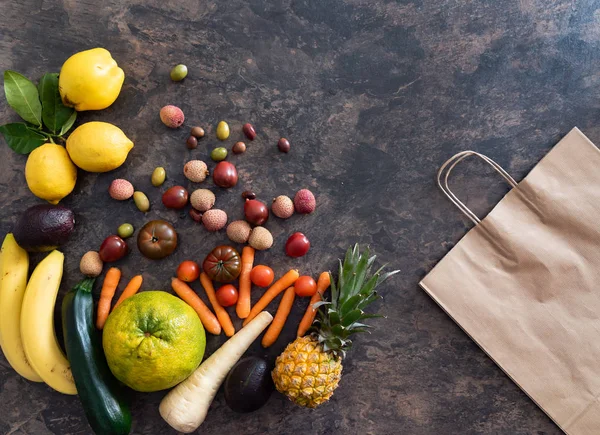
222	130
125	230
218	154
178	73
158	176
141	201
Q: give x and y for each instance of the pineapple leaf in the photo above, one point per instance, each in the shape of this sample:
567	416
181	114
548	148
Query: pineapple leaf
360	273
352	317
334	292
350	304
357	325
339	331
320	303
387	275
334	317
361	330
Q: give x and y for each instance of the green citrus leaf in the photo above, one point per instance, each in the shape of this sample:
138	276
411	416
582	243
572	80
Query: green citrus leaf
23	97
21	138
69	123
54	113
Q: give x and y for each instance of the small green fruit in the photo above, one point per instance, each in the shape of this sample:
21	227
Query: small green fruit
178	73
158	176
222	130
218	154
141	201
125	230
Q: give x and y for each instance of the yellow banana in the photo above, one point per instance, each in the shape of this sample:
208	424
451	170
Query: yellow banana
14	266
37	325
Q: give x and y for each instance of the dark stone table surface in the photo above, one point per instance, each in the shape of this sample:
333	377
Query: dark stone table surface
374	96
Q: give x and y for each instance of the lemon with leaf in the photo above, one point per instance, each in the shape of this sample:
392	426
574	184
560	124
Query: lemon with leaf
98	146
90	80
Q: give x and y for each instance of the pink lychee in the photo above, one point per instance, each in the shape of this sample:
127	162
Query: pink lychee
171	116
304	201
120	189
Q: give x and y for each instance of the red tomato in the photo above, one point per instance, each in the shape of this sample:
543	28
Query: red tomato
227	295
262	276
188	271
305	286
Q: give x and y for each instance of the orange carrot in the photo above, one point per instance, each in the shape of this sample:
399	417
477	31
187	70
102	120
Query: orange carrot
283	311
185	292
131	289
280	285
243	303
222	315
323	284
109	286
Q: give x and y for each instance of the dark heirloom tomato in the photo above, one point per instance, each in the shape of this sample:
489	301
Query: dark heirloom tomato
223	264
157	239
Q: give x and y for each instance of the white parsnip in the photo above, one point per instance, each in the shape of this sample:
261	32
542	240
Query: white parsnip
186	405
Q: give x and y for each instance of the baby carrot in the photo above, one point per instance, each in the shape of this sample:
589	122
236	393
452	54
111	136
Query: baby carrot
208	319
283	311
109	286
131	289
243	303
323	284
222	315
280	285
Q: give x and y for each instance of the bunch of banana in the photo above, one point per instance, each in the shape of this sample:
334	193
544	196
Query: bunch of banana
27	335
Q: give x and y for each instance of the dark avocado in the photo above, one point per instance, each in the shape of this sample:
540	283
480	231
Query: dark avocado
248	385
44	227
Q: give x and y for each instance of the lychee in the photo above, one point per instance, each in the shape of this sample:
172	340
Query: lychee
304	201
282	207
195	171
171	116
120	189
239	231
260	238
202	199
214	219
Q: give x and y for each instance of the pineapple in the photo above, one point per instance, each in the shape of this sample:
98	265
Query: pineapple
309	369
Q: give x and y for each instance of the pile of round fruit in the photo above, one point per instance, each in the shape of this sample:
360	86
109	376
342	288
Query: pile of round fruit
153	340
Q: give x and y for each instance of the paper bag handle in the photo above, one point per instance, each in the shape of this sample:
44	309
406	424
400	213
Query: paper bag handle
446	170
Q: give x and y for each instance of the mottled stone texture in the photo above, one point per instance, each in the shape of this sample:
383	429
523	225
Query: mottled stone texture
373	95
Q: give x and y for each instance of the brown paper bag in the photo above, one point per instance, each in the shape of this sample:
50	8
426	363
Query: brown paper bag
524	283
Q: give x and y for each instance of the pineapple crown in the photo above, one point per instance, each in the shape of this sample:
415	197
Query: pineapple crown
355	289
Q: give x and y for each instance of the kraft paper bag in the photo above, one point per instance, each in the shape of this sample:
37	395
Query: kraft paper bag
524	283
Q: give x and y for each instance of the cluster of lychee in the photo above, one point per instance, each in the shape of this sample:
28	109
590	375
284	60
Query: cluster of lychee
240	231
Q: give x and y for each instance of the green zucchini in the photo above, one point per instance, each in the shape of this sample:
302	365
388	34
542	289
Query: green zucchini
102	396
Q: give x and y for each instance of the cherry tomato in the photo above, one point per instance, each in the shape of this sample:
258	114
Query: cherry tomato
262	276
255	211
305	286
175	197
227	295
188	271
297	245
113	248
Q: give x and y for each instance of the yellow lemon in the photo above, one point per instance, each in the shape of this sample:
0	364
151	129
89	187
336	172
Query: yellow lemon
98	146
90	80
153	341
49	172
